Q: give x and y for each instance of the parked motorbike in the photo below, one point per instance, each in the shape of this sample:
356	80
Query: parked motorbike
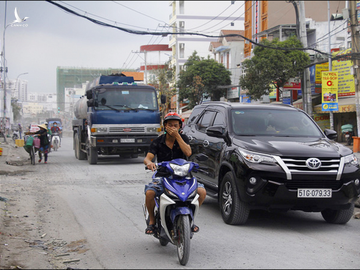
177	207
55	141
347	130
15	135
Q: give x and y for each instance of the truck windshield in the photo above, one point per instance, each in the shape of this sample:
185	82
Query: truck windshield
255	122
124	99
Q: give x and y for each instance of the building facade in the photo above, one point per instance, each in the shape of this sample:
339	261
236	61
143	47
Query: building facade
203	20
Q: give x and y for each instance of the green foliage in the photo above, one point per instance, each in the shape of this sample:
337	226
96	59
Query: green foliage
272	66
16	108
200	79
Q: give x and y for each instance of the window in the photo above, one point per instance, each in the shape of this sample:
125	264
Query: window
181	7
219	119
182	50
205	121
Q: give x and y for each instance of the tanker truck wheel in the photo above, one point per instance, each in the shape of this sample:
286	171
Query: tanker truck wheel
92	154
80	155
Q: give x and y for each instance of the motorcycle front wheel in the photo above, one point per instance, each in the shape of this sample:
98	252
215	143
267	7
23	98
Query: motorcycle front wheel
183	239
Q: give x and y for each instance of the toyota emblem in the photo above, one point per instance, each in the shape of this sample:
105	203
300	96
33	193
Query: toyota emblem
313	163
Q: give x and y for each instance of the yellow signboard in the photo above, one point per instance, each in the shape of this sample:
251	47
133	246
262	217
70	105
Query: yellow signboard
329	90
346	80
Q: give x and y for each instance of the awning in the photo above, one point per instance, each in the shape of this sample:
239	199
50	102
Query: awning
222	48
347	104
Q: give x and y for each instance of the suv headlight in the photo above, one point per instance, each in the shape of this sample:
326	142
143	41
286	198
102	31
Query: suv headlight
351	159
256	157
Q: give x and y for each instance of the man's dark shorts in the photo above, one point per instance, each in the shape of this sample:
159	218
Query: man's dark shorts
156	185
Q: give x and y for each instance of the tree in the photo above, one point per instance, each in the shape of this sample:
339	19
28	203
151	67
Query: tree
200	79
273	66
16	108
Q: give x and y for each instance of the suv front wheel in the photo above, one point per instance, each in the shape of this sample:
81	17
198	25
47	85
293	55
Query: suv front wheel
338	216
233	210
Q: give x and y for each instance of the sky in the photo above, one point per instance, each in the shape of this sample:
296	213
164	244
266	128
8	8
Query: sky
52	37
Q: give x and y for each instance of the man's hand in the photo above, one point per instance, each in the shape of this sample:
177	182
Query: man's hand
172	131
151	166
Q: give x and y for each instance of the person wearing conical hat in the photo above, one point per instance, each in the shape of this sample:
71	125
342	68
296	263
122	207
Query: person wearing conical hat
44	141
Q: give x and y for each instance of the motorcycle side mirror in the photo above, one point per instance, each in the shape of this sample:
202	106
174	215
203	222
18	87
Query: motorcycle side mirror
163	99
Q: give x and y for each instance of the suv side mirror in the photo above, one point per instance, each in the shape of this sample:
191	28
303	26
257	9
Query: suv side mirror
331	134
217	131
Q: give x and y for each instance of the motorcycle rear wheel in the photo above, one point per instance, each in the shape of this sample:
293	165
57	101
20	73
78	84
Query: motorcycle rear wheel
183	240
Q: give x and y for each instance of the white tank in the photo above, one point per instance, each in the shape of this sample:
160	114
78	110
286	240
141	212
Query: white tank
81	107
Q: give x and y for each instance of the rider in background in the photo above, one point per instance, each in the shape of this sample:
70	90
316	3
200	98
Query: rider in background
166	147
56	129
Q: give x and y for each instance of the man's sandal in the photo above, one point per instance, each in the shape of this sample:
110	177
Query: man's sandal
150	229
195	228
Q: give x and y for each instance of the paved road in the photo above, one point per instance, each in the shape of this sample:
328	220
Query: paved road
98	207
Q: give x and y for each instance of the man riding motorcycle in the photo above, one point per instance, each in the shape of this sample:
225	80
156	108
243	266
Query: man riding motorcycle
56	129
170	145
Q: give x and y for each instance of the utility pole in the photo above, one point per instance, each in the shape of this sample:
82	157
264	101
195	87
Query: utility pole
330	66
355	42
303	39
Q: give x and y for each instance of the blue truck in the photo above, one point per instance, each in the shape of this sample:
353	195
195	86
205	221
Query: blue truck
115	117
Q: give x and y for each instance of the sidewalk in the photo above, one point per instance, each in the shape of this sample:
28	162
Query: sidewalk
14	159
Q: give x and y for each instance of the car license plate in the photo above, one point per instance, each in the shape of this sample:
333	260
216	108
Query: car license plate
314	193
127	140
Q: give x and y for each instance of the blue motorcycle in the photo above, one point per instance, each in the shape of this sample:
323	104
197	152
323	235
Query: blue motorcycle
176	209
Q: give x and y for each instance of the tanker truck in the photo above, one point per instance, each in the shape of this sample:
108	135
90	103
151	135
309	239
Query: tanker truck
115	117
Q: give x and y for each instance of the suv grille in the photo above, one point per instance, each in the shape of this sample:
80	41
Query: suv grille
328	166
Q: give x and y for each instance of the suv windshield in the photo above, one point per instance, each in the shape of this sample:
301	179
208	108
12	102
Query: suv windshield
267	122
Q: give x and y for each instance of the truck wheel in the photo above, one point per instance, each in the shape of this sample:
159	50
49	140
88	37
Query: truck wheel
80	155
338	216
92	155
233	210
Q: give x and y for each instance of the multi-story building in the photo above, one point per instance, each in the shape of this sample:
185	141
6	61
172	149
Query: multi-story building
204	19
229	51
73	77
263	15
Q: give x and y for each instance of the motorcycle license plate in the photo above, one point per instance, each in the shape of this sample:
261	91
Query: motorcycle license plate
347	135
314	193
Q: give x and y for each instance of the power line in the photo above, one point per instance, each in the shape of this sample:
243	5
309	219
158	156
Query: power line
211	19
138	12
177	33
94	15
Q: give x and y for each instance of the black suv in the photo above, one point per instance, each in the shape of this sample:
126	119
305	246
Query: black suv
272	157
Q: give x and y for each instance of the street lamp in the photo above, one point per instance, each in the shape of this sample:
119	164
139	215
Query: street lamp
4	69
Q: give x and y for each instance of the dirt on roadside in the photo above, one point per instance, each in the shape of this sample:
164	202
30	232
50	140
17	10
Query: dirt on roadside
29	223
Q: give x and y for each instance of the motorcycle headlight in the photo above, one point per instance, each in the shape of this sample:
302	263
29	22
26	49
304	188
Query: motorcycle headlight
192	195
180	170
256	157
351	159
170	193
